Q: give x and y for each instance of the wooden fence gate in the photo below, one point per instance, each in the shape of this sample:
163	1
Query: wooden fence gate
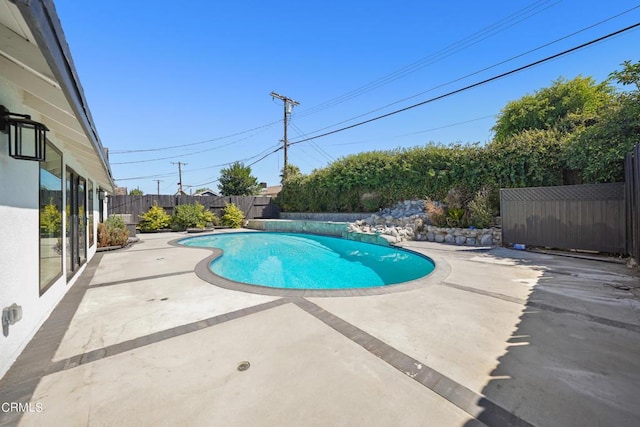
587	217
632	197
598	217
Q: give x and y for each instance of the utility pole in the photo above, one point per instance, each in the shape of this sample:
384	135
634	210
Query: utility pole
288	106
158	181
180	164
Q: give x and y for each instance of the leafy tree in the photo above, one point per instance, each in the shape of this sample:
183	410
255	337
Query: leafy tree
565	106
599	151
630	74
289	172
236	180
136	192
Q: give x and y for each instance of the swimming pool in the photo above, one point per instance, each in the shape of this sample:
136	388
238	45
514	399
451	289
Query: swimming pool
306	261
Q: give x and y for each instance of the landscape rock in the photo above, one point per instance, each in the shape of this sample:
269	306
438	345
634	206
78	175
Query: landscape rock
408	220
486	240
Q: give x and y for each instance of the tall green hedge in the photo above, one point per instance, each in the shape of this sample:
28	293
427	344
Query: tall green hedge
372	180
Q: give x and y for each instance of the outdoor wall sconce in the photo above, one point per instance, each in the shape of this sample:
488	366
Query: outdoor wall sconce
26	137
101	194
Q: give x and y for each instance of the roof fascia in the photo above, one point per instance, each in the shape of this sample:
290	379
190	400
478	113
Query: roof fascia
44	23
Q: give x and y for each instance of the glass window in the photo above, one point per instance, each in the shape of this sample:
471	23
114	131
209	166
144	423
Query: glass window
82	220
90	192
71	227
50	218
76	222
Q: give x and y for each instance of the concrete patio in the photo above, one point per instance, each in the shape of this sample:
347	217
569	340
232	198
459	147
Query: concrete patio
496	337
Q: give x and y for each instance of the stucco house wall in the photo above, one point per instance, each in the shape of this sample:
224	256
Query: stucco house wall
26	54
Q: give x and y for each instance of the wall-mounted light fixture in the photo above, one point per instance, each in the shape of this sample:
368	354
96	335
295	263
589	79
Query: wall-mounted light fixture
101	194
26	137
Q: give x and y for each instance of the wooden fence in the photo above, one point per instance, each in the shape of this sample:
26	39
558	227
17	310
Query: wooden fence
252	206
587	217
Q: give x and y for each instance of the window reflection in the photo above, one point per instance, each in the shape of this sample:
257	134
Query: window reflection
50	218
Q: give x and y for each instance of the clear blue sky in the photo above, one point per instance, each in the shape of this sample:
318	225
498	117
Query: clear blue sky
158	74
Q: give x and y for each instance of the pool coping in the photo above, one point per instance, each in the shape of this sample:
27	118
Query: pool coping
441	270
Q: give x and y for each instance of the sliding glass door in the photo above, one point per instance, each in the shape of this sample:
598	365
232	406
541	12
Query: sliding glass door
76	214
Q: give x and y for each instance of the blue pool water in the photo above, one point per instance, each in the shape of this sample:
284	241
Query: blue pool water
306	261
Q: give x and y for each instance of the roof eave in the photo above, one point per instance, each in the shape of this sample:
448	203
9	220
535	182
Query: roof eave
43	21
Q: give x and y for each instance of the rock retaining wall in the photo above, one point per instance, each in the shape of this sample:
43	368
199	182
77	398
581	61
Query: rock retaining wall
404	221
408	221
461	236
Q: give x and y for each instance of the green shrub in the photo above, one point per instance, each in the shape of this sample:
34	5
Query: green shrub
480	208
531	158
154	219
113	232
191	216
232	216
456	201
457	198
439	220
209	219
103	236
456	217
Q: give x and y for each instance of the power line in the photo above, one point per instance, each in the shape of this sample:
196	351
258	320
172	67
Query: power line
416	132
410	66
164	175
481	70
319	149
169	174
277	148
453	48
197	143
185	155
483	82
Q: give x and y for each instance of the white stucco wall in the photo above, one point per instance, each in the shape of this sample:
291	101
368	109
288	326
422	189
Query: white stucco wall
19	234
